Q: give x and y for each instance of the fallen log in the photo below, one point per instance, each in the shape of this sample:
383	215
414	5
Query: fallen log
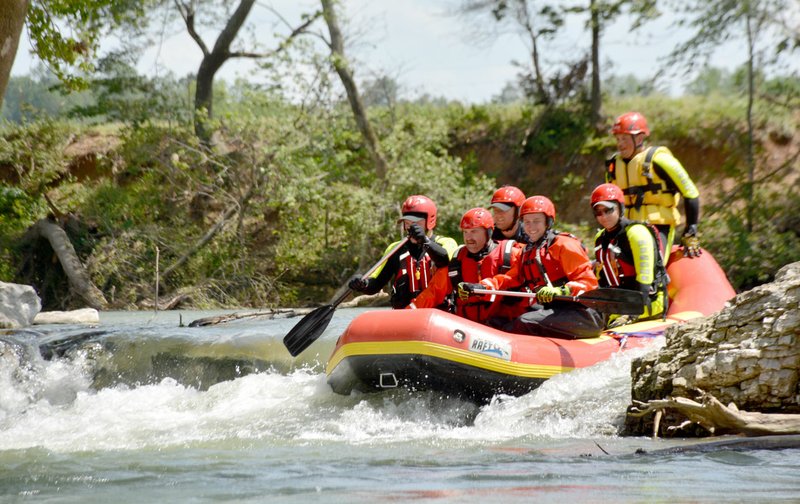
720	419
268	315
78	277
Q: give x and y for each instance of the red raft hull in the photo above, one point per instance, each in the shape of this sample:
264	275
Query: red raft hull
435	350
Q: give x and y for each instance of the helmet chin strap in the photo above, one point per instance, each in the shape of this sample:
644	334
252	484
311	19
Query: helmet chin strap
637	146
513	222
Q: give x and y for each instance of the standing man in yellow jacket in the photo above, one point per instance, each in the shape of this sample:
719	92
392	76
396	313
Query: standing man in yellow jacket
653	181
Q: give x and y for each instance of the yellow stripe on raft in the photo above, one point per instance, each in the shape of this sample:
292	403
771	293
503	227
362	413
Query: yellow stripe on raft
444	352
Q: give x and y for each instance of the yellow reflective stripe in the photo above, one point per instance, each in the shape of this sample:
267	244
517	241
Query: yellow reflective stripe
676	172
447	353
643	249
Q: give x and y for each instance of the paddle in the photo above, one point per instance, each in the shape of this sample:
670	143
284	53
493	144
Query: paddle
313	325
619	301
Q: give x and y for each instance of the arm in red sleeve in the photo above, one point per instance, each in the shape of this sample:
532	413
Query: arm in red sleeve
434	294
576	264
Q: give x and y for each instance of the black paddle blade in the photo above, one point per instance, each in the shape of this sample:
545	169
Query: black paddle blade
308	329
618	301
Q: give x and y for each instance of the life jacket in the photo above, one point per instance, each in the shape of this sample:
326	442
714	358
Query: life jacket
616	263
463	268
648	196
539	267
411	278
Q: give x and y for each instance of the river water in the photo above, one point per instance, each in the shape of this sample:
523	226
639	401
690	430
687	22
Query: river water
140	409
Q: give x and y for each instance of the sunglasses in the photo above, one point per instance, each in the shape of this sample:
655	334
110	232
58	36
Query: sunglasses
599	212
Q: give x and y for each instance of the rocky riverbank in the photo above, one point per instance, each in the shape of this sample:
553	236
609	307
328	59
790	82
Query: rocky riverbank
747	355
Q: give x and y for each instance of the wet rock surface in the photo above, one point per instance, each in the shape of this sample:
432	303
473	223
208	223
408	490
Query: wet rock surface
748	354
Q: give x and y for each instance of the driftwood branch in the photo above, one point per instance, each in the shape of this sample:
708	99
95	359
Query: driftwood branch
720	419
78	277
268	314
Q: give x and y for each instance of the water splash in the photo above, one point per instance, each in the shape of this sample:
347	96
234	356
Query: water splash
153	388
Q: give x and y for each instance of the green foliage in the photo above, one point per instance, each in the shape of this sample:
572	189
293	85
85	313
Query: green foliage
557	129
308	209
65	33
751	258
119	93
33	154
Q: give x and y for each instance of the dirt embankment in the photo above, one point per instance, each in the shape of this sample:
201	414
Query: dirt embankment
568	181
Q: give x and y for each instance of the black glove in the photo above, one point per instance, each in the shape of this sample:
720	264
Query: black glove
357	283
466	289
690	242
416	233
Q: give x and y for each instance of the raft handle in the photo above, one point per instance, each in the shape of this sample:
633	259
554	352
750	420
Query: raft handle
387	380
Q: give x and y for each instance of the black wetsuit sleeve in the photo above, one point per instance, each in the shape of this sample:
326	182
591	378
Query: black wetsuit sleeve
666	177
387	273
692	208
438	254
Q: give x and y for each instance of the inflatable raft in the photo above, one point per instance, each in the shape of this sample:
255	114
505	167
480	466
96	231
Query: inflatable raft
435	350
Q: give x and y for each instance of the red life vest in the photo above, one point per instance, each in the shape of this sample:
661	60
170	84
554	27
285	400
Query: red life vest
616	270
537	262
412	274
466	269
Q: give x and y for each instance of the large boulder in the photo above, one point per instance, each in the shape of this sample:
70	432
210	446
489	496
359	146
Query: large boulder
747	354
19	304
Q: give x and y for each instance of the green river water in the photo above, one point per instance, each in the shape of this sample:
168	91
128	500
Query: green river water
140	409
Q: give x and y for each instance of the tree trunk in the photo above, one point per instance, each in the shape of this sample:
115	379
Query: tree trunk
751	164
11	22
542	95
77	275
204	94
346	76
596	96
212	61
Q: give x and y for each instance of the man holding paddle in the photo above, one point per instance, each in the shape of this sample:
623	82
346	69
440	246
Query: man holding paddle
411	268
557	269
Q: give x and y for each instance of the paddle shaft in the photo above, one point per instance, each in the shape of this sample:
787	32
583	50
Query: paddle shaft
313	325
524	294
343	295
607	300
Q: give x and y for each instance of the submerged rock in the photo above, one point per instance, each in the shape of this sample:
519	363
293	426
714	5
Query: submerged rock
747	354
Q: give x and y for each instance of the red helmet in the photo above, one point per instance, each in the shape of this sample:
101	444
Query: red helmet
477	218
539	204
607	192
630	123
508	195
420	205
